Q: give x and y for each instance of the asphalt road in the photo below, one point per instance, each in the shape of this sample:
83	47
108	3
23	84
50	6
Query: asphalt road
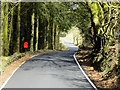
51	70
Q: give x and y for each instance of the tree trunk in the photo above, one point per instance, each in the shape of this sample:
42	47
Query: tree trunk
51	31
5	30
53	40
36	46
57	37
17	45
0	33
32	33
2	27
47	35
11	31
55	43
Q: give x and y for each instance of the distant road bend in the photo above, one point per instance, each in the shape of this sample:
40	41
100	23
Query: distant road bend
51	70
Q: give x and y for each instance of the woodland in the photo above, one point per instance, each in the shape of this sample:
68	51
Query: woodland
41	24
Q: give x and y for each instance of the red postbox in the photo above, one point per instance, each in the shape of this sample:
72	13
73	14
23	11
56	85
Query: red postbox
25	44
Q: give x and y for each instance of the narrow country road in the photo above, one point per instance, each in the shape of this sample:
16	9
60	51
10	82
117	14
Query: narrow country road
51	70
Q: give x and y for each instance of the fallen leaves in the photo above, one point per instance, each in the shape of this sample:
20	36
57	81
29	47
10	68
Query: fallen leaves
93	74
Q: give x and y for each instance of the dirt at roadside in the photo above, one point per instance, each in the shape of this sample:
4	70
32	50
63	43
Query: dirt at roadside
93	74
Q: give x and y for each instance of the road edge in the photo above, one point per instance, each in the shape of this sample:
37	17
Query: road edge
93	85
37	55
14	73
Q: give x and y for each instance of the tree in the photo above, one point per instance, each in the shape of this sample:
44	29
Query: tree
32	34
17	44
5	46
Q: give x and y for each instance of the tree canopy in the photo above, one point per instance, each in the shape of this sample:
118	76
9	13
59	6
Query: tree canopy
40	24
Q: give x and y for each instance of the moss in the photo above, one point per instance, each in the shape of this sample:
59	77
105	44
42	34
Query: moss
5	46
4	61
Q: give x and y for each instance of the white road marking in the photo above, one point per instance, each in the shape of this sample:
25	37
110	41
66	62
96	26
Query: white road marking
85	73
37	55
13	73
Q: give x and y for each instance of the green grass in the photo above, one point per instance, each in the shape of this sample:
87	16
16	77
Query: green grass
5	61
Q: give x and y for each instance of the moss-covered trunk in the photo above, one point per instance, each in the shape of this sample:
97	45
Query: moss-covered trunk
47	34
32	31
41	34
5	46
11	31
37	30
57	37
17	31
0	33
103	27
2	26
